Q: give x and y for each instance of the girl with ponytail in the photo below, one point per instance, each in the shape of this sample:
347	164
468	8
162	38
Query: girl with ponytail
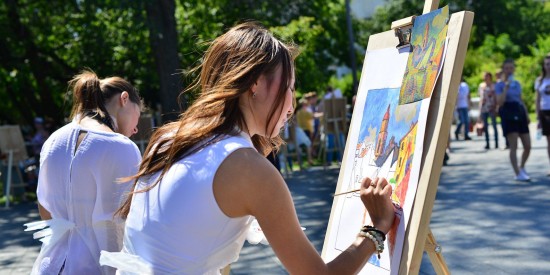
78	186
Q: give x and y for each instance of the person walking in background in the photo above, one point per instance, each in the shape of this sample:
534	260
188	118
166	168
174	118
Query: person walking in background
488	107
462	107
498	78
542	88
205	177
514	118
79	186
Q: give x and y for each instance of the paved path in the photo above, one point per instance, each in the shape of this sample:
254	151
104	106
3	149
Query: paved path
486	222
18	249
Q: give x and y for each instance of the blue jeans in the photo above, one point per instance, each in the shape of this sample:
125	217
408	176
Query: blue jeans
463	120
485	117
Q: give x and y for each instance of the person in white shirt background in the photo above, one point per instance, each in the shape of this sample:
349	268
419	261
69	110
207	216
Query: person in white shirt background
542	88
81	165
462	107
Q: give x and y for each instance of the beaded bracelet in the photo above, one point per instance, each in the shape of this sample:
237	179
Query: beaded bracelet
369	228
378	244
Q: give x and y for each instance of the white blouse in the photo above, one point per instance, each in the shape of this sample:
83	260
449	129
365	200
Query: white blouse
80	188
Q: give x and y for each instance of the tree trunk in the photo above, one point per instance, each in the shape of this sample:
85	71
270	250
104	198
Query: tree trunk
164	45
44	104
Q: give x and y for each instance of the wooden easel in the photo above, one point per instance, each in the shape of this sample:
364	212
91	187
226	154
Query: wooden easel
434	253
334	123
437	133
13	145
418	236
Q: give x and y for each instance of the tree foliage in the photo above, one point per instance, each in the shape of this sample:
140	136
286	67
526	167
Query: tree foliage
45	43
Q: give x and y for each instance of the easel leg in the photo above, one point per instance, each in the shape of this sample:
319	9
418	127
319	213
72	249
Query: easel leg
434	252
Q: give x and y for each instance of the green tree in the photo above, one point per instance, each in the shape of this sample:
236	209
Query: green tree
529	67
201	21
304	34
46	43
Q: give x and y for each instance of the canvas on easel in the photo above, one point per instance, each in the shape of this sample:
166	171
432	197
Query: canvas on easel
396	141
387	138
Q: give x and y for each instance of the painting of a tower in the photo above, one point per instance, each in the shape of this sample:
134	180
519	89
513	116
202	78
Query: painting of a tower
383	134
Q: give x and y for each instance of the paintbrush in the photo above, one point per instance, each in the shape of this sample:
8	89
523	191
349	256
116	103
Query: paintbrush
347	192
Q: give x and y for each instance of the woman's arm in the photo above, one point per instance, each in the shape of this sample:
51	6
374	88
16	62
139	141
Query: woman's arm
44	214
247	184
501	98
537	105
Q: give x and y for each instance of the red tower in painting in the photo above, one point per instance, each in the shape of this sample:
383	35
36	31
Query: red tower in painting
382	134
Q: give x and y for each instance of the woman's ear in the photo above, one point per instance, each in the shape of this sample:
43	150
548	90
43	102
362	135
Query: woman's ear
254	89
124	98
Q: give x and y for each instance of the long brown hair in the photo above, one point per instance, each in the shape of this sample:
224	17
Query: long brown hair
90	94
231	66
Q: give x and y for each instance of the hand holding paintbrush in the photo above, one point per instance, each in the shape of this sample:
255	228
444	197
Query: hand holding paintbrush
375	195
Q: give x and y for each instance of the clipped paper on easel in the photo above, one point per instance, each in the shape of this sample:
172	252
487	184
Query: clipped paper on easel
428	42
387	139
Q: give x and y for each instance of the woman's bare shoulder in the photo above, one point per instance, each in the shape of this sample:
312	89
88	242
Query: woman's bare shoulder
243	178
247	164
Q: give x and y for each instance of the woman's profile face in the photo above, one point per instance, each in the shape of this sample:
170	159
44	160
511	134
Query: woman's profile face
128	119
508	68
488	78
266	97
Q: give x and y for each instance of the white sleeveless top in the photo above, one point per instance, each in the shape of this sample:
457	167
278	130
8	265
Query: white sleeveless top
177	227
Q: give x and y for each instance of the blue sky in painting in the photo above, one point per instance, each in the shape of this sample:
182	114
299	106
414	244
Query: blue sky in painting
375	108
